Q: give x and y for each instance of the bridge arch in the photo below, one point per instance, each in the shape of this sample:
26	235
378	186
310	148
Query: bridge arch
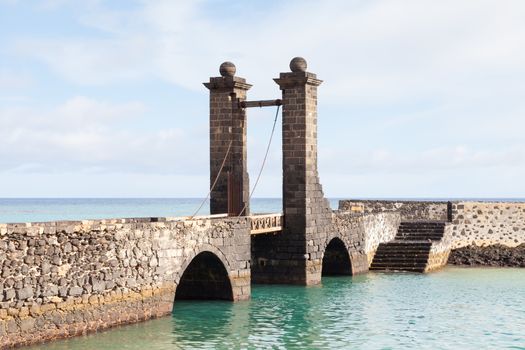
336	260
205	276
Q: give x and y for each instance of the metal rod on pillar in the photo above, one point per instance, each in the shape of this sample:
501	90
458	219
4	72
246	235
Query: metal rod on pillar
260	103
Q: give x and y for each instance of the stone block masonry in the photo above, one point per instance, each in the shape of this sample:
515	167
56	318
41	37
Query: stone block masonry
472	223
296	255
476	232
488	223
228	140
61	279
409	210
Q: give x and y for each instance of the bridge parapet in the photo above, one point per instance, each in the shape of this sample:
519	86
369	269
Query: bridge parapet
266	223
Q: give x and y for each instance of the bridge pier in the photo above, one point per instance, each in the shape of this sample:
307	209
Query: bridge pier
296	255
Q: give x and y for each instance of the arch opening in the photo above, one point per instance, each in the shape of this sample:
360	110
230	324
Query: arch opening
205	278
336	261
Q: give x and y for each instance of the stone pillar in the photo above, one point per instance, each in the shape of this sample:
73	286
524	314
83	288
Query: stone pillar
228	124
295	255
307	213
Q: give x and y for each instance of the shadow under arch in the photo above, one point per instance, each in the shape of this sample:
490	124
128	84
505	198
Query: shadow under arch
205	278
336	260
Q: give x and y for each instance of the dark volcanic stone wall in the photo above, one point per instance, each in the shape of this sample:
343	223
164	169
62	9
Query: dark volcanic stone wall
228	124
295	255
60	279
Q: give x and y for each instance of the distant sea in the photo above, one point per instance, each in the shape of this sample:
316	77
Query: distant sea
53	209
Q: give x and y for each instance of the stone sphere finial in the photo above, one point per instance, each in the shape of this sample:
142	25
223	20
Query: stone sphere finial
227	69
298	64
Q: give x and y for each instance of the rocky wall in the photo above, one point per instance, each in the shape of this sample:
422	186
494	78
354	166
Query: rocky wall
379	228
61	279
440	250
409	210
363	233
488	223
359	233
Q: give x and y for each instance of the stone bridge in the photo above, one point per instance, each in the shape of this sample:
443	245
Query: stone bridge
67	278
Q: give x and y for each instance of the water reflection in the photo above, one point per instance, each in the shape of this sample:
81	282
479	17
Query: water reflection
204	324
452	309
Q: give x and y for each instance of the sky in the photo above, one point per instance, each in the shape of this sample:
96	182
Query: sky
420	99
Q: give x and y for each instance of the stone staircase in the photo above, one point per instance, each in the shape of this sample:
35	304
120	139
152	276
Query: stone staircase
410	249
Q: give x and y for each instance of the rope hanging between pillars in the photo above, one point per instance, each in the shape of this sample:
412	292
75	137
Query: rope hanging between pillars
215	181
263	162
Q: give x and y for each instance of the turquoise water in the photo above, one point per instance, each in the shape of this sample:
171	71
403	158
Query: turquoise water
456	308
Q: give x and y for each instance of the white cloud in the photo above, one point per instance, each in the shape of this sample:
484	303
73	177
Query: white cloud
458	158
457	65
10	80
383	50
84	135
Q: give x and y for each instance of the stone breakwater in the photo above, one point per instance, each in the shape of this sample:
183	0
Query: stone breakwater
476	233
62	279
472	223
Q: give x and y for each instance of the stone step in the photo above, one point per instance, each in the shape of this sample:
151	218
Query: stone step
420	254
402	255
404	244
399	259
399	264
420	228
418	238
410	249
401	251
401	228
409	225
417	246
393	269
408	230
423	223
419	234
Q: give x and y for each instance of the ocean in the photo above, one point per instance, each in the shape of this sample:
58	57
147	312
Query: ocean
53	209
